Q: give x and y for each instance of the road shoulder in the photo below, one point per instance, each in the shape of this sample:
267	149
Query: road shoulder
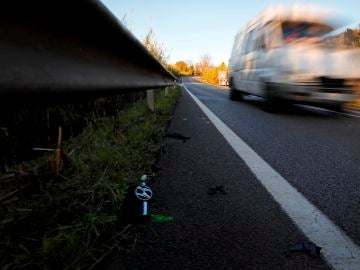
222	216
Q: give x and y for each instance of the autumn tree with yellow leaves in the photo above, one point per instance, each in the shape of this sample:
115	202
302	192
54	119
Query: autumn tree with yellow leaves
183	68
209	72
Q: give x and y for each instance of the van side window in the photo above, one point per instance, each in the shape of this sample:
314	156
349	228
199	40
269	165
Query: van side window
240	44
262	43
259	40
249	42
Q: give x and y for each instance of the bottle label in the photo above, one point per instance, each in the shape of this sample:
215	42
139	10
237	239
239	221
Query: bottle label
143	193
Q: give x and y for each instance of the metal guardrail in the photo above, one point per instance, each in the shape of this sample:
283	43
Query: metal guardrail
51	50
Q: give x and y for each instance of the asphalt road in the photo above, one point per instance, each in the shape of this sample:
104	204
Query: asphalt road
223	216
317	151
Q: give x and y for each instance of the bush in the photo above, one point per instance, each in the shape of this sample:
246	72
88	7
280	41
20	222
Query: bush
210	75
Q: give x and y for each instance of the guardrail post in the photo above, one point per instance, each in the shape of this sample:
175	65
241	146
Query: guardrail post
166	91
150	98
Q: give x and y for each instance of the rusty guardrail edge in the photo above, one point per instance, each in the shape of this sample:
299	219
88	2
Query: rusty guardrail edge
52	49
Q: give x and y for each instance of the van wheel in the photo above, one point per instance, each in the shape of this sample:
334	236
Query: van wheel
271	103
235	94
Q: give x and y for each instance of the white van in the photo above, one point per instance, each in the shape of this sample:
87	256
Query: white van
282	55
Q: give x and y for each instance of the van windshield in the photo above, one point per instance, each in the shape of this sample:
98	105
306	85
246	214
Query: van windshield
295	31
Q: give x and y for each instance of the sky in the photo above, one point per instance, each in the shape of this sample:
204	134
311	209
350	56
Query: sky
188	29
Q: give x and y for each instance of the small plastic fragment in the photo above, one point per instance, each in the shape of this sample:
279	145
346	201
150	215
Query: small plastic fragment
309	247
177	136
159	218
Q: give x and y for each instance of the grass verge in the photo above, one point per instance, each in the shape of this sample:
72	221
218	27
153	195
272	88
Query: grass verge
70	221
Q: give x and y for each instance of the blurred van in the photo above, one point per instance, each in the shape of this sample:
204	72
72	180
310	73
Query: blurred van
282	55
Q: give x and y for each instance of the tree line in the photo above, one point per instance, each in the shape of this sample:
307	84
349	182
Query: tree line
204	68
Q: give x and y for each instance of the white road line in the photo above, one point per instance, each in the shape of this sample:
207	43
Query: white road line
347	114
326	110
338	249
